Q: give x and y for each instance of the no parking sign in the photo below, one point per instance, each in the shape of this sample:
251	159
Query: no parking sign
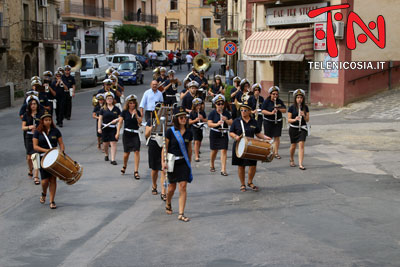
230	48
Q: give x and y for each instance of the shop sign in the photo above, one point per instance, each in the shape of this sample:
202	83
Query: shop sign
173	35
211	43
319	45
92	33
294	14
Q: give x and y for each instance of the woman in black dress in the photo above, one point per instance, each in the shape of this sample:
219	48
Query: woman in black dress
42	145
106	126
272	108
298	126
30	121
132	119
249	126
95	115
197	119
234	91
256	101
217	87
177	138
219	120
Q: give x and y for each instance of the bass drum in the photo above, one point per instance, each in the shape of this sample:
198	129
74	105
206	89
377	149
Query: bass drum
62	166
254	149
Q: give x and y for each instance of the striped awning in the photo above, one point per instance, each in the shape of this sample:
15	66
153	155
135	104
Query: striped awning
280	45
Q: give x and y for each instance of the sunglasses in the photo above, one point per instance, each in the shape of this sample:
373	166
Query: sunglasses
219	104
244	110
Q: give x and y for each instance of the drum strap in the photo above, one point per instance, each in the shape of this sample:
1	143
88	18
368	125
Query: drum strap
243	131
47	139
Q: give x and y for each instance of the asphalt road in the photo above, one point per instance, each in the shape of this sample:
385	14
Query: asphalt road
342	211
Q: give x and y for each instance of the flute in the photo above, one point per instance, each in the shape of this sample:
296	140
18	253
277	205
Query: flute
300	118
276	112
222	126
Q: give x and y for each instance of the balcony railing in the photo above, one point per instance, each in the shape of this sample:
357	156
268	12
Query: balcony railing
133	16
4	37
39	31
85	10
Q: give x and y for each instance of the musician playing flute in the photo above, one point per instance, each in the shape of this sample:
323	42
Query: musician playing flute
172	89
188	99
273	108
245	125
108	119
178	142
95	115
197	119
47	136
298	116
218	121
256	102
131	118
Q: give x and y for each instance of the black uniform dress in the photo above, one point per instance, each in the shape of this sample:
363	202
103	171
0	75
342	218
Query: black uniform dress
22	112
253	104
218	140
29	134
197	132
294	133
181	171
69	82
215	88
53	136
251	129
61	100
108	133
200	81
232	103
130	140
169	94
50	98
187	101
270	128
154	151
44	101
96	110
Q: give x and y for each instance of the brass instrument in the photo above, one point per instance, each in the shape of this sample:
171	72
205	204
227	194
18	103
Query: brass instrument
95	101
244	98
201	62
74	61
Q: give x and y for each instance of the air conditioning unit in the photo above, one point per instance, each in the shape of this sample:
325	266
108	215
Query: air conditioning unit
87	23
338	28
42	3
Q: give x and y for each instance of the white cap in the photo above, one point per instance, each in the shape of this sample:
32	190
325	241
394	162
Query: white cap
243	81
163	69
29	98
36	82
131	97
299	92
256	85
273	88
193	84
218	98
171	72
107	81
35	78
237	78
197	101
108	94
98	96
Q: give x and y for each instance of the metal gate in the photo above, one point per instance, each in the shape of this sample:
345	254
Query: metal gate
5	98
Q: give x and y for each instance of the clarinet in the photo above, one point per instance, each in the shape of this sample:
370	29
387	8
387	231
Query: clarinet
276	113
162	119
300	118
222	126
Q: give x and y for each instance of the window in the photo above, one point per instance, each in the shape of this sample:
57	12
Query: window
206	26
111	4
173	25
119	59
174	4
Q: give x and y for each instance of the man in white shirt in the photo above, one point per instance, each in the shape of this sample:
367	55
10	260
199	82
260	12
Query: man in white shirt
189	60
149	100
229	75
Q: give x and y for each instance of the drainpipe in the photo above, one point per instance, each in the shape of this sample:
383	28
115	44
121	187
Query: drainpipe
104	32
37	51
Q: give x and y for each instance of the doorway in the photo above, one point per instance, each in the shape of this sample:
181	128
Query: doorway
49	58
191	40
91	45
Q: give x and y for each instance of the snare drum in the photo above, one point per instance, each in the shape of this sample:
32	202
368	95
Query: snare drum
62	166
254	149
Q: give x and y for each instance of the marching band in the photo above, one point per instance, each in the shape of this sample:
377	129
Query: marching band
168	120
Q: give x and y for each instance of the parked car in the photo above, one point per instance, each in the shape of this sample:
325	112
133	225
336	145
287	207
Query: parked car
119	58
131	72
162	58
93	69
144	61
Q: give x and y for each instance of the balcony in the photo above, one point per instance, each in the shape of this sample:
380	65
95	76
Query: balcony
4	37
132	16
40	32
87	12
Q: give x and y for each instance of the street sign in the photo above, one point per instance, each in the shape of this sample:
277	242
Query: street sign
230	48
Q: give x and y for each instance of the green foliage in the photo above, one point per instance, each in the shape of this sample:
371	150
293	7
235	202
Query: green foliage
130	34
228	89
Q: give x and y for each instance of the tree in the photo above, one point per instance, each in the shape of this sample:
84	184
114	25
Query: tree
130	34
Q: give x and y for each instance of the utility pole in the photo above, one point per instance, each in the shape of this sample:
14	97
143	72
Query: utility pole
186	31
104	32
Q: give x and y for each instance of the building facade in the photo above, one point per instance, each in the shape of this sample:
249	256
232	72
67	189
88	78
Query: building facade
33	46
276	45
185	24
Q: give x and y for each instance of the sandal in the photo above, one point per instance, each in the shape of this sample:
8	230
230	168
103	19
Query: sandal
212	169
30	174
123	169
183	218
136	175
292	163
277	156
253	187
163	197
154	190
243	188
43	198
36	180
301	167
224	174
168	209
197	160
53	205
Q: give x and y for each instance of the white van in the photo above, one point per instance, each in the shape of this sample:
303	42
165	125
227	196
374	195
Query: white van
93	68
117	59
